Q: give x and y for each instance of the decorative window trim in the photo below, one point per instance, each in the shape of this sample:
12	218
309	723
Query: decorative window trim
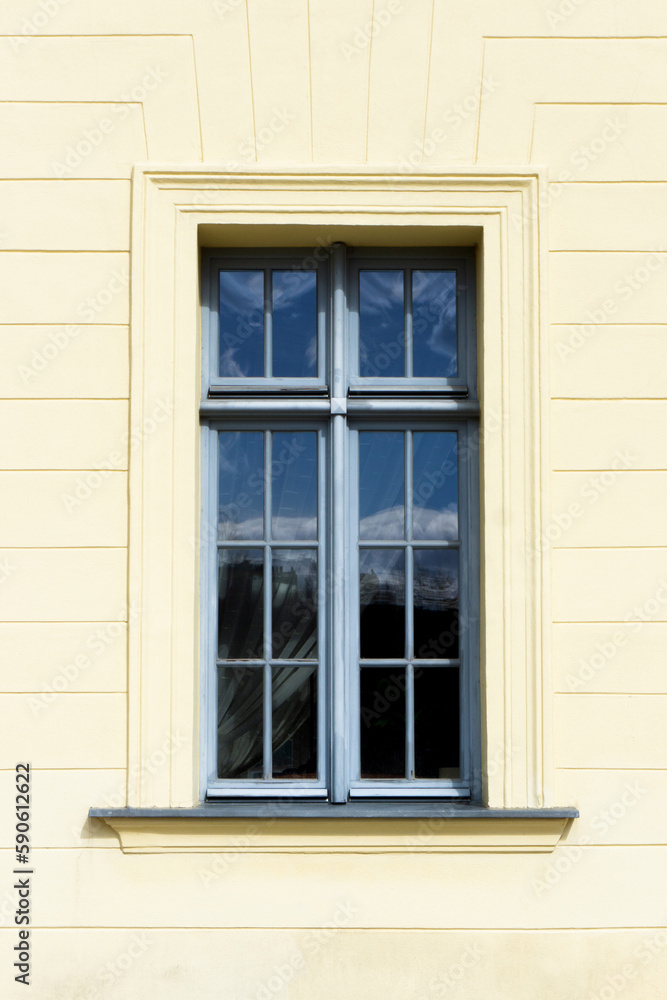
175	210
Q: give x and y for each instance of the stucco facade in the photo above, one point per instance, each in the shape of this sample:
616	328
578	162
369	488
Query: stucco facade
134	134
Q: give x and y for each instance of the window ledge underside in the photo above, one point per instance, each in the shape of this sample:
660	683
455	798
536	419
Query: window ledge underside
350	828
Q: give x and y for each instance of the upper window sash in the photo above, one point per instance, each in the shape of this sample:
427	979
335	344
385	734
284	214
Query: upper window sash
250	302
410	317
406	328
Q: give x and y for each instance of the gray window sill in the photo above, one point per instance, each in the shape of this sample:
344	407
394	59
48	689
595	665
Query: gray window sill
353	827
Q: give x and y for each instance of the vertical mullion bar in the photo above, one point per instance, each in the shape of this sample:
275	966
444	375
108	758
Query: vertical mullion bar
268	322
409	559
409	721
407	286
268	596
339	548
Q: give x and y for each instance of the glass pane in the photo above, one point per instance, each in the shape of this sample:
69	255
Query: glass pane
240	604
434	323
382	603
294	622
382	723
381	324
240	722
294	722
241	323
435	486
294	324
294	478
437	722
436	604
381	485
240	485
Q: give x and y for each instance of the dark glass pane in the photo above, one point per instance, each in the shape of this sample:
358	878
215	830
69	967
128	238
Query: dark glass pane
381	485
382	722
240	722
434	323
382	603
435	486
294	479
240	485
240	604
294	622
381	324
436	603
294	722
294	324
436	722
241	323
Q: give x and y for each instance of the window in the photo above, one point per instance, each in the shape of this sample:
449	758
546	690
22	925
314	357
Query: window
340	568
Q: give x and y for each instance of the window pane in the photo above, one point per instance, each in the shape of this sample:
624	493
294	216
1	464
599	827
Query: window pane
436	603
294	722
294	479
294	621
381	323
381	485
382	603
240	722
437	722
241	323
434	323
240	485
435	486
382	724
294	324
240	604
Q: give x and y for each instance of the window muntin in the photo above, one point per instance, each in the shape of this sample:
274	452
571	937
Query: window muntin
409	520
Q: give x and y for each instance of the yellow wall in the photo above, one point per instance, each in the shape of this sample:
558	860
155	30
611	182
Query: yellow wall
88	90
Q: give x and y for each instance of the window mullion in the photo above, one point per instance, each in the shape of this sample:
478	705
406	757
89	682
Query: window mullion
339	530
268	322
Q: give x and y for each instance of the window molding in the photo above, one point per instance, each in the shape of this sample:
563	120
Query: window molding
175	210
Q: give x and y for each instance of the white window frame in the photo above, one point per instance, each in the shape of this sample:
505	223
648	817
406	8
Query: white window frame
406	403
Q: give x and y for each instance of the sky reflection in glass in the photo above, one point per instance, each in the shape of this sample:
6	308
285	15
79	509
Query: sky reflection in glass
294	479
294	324
381	324
435	487
434	323
241	324
241	485
381	485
